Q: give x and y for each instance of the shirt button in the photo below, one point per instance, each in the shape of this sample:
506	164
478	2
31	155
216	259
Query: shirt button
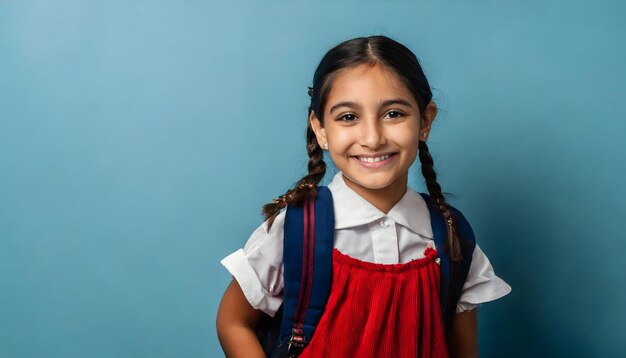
384	223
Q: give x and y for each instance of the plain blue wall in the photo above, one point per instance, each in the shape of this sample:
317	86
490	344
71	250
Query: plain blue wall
139	140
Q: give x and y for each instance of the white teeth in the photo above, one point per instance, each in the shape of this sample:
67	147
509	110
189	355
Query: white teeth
373	160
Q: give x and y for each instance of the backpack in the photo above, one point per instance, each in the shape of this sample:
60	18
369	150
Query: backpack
307	258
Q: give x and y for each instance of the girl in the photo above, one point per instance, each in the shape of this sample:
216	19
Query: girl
371	109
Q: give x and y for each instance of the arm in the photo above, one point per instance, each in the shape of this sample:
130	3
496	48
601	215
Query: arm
464	342
236	320
482	285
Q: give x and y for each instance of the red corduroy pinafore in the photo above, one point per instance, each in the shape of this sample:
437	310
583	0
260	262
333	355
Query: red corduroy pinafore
381	310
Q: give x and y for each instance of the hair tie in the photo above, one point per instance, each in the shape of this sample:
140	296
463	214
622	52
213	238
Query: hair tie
305	185
310	91
282	200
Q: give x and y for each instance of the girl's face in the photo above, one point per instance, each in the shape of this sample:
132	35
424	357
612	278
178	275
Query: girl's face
372	128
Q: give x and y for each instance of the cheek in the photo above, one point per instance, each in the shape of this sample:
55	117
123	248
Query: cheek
339	140
407	137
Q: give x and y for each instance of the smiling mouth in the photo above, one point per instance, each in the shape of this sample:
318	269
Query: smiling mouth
370	159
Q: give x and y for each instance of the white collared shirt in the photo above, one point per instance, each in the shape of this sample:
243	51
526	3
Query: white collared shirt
363	232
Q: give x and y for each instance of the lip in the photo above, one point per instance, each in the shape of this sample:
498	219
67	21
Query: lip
376	165
374	155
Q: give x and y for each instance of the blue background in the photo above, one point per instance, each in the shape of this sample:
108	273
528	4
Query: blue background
139	140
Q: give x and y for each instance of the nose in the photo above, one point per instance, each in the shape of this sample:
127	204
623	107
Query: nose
373	135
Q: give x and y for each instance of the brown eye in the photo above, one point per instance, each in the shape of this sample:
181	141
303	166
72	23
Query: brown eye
348	117
398	114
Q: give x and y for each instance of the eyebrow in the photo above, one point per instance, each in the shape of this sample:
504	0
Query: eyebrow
383	104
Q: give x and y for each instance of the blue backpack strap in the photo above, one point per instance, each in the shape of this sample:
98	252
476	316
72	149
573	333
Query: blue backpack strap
453	275
309	233
461	269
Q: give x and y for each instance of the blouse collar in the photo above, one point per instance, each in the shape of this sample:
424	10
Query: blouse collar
351	209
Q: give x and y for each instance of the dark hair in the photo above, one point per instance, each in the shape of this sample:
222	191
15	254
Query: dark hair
372	50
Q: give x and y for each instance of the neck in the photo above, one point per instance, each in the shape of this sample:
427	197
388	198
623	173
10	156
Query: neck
384	198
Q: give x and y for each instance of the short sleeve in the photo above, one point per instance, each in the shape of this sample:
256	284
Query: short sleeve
482	284
258	266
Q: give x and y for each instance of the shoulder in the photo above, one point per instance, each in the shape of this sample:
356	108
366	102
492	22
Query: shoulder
482	284
277	224
258	267
462	222
267	237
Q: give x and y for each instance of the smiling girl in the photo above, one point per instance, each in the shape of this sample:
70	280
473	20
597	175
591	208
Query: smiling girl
371	109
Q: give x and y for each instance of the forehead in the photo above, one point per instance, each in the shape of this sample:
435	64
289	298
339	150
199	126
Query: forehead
366	83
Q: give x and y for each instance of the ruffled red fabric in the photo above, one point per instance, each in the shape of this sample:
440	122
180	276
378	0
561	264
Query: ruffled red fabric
381	310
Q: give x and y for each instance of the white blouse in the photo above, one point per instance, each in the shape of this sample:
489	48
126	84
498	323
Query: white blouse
363	232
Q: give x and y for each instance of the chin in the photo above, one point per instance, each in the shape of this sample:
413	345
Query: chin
377	185
372	183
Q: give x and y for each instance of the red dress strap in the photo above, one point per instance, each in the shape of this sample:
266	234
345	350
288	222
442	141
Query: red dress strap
381	310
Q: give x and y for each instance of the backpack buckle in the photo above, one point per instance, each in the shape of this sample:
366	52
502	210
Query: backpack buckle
296	343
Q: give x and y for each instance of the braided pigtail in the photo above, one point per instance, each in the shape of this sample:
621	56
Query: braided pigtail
434	189
305	186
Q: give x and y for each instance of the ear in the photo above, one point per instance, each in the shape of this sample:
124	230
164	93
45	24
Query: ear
427	120
316	125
